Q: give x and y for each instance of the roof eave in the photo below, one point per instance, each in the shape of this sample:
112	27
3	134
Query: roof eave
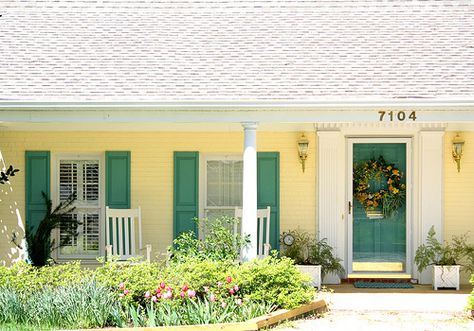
252	105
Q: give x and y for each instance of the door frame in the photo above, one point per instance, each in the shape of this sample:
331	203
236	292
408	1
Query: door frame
350	141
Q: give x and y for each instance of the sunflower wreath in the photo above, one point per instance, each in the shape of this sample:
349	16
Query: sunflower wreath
390	198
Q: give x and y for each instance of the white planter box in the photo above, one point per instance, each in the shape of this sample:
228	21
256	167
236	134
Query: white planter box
314	271
446	276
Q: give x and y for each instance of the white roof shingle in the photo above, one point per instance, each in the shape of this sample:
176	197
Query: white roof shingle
183	50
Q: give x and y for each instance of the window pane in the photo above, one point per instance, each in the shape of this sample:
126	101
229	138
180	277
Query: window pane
67	231
224	183
90	184
67	179
91	233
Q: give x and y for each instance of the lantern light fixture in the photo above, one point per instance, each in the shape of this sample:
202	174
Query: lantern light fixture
303	143
458	144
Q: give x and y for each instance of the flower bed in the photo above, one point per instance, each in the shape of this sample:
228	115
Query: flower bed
147	294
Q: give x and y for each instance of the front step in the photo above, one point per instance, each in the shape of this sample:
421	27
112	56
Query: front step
389	277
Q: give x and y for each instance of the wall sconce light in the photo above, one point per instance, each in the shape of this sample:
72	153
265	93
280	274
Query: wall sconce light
303	143
458	143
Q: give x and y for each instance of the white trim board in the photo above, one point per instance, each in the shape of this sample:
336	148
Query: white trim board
290	115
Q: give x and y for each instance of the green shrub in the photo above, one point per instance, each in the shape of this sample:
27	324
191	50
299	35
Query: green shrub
220	242
274	280
136	277
26	278
470	302
198	274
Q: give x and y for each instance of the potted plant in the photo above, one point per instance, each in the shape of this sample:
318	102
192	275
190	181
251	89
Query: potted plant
311	256
445	258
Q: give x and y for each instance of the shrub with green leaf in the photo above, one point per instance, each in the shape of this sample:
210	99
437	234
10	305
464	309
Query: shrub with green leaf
470	300
274	280
25	278
219	243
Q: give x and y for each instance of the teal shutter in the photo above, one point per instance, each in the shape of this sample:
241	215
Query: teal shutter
185	196
118	180
38	179
268	191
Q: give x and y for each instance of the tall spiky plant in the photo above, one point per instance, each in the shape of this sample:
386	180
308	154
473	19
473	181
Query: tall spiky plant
39	242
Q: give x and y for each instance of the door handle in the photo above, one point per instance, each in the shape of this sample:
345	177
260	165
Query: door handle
350	207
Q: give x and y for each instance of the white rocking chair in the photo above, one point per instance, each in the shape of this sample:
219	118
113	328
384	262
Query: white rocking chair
263	216
120	233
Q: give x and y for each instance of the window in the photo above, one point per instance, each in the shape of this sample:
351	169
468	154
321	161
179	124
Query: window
80	176
223	186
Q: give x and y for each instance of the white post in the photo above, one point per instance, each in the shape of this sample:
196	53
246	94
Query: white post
249	199
331	202
431	200
148	252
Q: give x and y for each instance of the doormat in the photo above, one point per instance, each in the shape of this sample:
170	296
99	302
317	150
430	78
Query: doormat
382	285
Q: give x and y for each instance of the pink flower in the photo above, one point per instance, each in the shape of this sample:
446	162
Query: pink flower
158	290
162	285
168	289
212	298
229	279
236	288
167	295
238	302
231	291
191	293
147	294
125	292
122	286
219	284
223	304
182	294
185	288
158	295
206	289
154	299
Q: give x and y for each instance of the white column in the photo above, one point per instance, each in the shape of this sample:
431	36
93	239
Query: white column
331	189
249	199
431	202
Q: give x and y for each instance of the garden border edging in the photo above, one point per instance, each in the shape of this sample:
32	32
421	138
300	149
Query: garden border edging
250	325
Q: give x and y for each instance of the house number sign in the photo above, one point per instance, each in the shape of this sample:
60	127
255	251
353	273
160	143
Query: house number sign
399	116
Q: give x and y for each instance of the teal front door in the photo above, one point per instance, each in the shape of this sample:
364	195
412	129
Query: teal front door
378	206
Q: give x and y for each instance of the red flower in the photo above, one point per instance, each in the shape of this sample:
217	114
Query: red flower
229	279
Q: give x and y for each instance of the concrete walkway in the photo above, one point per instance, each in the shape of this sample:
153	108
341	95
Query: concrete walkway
420	308
419	299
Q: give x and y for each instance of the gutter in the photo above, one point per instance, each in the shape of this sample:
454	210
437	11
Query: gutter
369	104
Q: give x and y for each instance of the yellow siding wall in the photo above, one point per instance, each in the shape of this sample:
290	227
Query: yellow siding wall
459	191
152	173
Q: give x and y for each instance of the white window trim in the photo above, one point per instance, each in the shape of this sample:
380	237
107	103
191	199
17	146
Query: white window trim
56	158
203	178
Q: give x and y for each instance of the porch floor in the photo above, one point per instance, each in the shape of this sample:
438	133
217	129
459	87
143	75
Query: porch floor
349	288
